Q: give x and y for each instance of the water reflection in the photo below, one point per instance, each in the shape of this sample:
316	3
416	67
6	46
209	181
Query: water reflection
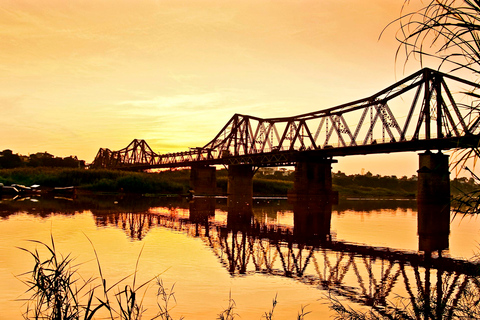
433	227
312	218
201	211
239	232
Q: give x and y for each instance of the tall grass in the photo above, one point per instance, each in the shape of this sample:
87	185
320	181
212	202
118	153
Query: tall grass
460	301
57	291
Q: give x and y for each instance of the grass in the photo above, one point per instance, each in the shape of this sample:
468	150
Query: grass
100	180
57	291
461	301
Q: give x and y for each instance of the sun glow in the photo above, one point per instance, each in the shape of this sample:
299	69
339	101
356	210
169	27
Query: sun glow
81	75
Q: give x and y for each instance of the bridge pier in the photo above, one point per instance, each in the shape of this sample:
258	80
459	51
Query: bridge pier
240	180
240	193
313	182
433	200
203	180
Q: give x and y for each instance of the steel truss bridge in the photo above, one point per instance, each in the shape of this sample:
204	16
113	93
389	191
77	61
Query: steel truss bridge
367	275
428	110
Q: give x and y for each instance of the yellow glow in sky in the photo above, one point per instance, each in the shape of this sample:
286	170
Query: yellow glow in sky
80	75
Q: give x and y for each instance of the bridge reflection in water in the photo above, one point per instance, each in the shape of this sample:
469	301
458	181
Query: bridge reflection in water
432	285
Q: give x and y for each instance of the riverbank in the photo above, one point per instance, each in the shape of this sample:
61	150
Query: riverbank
174	182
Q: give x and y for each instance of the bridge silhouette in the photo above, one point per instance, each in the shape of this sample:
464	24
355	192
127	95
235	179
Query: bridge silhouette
420	112
426	111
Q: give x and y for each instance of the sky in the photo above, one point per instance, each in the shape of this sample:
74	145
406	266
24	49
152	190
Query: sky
80	75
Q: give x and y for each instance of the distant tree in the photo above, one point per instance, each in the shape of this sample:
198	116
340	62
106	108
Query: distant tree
9	160
40	159
45	159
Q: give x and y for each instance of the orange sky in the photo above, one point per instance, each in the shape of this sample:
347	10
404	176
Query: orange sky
80	75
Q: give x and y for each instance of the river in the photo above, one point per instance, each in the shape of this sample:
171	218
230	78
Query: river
208	251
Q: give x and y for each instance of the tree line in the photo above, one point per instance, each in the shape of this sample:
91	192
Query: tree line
272	182
9	160
368	183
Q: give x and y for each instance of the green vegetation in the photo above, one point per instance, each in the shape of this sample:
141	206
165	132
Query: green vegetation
101	180
178	181
374	185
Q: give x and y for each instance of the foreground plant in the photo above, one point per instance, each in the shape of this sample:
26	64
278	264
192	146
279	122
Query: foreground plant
164	296
228	313
58	292
447	30
451	297
392	312
56	288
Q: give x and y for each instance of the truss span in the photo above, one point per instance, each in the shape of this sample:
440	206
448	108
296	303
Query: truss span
428	110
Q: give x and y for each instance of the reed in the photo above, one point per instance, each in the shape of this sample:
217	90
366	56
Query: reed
461	301
228	313
57	291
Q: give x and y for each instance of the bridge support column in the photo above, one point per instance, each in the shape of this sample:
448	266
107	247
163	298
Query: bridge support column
433	200
240	193
240	180
203	180
313	182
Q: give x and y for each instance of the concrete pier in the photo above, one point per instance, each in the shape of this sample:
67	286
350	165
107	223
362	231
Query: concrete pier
240	196
240	180
433	200
433	226
203	180
313	181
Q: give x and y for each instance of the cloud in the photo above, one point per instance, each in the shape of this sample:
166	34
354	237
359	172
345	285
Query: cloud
189	120
99	73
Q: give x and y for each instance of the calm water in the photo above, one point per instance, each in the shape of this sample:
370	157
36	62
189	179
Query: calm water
365	252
